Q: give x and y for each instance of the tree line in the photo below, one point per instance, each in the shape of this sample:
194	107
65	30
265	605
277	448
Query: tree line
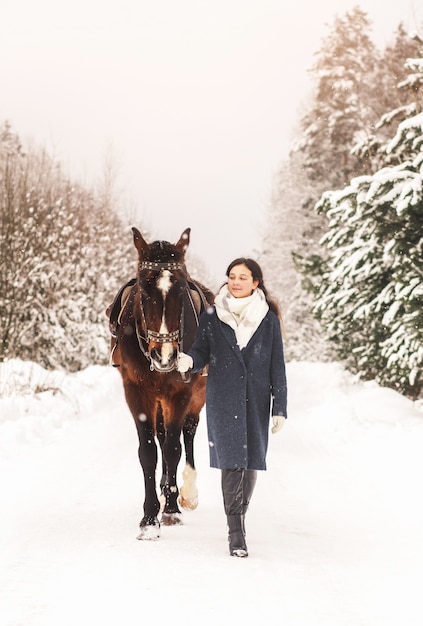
348	208
63	253
65	250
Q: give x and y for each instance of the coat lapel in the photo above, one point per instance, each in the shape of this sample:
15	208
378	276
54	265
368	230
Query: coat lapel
256	336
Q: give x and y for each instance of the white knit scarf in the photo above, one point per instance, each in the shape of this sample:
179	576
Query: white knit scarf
244	315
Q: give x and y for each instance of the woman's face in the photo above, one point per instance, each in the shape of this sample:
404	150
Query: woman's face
240	282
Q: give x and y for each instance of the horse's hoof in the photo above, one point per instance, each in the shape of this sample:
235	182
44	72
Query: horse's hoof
188	504
149	532
171	519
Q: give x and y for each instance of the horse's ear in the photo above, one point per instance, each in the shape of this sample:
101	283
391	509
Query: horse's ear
139	241
183	242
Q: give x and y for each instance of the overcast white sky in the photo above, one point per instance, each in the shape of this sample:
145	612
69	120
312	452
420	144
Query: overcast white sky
196	100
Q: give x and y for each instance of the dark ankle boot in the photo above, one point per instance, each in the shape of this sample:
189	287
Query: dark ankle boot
236	537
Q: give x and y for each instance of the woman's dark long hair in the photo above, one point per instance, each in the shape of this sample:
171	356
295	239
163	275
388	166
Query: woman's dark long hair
255	270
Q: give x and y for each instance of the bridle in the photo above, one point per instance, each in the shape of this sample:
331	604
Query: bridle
151	335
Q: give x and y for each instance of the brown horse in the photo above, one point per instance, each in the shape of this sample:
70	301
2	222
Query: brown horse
158	318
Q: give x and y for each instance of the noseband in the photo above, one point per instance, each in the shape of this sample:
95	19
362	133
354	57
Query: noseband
151	335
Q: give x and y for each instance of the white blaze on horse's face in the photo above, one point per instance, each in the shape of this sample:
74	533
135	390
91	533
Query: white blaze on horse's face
164	284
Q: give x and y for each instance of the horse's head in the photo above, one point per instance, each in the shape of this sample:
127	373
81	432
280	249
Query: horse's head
162	281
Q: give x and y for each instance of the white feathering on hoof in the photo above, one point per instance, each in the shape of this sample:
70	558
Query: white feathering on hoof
149	532
162	501
188	493
171	519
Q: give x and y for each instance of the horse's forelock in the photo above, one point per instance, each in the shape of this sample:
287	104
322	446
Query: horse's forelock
162	251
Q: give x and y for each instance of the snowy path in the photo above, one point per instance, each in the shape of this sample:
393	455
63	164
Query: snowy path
334	529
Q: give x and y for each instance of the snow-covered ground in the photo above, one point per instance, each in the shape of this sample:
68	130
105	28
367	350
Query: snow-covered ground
334	528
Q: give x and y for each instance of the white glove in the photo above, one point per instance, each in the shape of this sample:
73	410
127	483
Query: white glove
185	362
278	422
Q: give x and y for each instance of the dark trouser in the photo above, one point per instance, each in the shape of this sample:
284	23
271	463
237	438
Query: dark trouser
237	489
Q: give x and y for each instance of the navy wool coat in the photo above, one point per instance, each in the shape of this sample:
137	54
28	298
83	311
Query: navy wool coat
244	387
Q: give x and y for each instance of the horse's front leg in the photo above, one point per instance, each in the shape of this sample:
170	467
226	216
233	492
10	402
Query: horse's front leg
171	450
161	435
147	454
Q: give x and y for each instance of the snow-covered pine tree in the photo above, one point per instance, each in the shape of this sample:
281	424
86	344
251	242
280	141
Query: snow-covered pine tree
393	96
345	103
370	294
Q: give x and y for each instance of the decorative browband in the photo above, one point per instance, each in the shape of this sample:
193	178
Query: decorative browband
153	265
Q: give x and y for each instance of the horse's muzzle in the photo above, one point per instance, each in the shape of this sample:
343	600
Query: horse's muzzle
161	361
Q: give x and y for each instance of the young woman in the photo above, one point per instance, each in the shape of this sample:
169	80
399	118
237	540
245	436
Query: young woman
240	339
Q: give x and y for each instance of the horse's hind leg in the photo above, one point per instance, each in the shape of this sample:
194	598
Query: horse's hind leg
188	494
